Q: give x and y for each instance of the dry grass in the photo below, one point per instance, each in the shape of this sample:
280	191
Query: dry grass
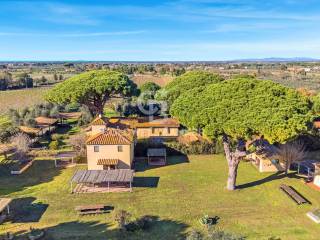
161	80
21	98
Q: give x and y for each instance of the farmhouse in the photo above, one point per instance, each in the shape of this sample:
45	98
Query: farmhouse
110	143
144	127
165	128
110	148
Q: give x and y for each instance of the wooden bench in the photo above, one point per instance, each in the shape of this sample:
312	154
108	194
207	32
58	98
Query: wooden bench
293	194
92	209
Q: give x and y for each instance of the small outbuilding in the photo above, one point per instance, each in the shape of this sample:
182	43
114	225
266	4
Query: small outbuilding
117	180
157	156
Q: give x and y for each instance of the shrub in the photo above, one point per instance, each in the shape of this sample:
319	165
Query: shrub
56	137
142	223
208	221
7	129
54	145
45	113
54	112
86	116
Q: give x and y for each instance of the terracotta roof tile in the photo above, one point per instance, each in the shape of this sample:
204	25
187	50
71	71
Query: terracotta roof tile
112	136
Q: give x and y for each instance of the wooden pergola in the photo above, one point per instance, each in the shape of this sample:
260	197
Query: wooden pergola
65	156
157	156
99	177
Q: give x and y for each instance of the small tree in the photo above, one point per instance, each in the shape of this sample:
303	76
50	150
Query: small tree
78	143
22	143
291	152
122	218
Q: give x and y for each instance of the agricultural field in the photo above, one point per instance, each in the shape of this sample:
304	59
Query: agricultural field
176	195
161	80
21	98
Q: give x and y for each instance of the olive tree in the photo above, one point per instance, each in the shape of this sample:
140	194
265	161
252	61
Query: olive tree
240	108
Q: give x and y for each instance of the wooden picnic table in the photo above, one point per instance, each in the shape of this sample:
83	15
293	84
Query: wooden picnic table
91	209
293	194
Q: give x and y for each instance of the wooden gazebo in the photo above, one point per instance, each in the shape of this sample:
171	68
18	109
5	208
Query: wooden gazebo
157	156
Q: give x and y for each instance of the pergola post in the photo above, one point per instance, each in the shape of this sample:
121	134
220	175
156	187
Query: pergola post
8	209
108	186
298	168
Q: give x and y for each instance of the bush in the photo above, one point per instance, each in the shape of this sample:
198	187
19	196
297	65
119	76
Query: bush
57	137
175	148
54	145
142	223
208	221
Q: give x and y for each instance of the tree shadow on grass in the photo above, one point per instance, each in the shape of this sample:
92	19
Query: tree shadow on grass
141	165
41	171
270	178
146	182
24	210
81	230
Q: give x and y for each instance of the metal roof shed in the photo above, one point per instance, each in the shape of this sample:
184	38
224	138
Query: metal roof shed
157	156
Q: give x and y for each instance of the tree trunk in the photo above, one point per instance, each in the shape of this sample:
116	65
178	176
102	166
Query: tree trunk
233	160
232	177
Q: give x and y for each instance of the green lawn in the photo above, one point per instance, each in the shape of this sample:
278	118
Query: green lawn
185	192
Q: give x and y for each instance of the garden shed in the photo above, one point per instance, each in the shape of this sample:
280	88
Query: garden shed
157	156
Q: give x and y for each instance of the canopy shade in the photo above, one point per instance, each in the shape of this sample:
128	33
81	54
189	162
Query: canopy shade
103	176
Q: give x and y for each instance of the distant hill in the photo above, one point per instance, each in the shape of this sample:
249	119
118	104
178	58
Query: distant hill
279	59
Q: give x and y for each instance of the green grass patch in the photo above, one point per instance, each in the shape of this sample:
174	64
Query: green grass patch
178	195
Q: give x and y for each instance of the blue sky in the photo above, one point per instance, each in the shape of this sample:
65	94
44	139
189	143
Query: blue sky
159	30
